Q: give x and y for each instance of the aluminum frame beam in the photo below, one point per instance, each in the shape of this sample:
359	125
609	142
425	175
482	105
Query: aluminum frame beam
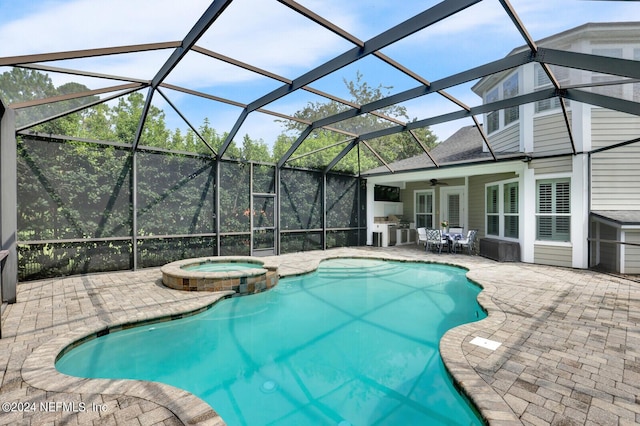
80	108
206	20
416	23
500	65
60	98
604	101
352	144
85	53
456	115
584	61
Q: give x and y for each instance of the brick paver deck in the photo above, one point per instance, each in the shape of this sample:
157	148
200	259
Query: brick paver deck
569	354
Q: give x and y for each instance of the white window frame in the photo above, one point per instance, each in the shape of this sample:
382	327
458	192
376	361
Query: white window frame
554	181
497	93
415	206
505	112
501	213
492	96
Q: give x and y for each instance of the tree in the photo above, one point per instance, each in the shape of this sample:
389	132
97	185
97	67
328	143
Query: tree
322	145
126	116
255	150
20	85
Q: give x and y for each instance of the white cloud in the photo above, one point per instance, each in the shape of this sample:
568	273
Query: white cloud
270	35
86	24
263	33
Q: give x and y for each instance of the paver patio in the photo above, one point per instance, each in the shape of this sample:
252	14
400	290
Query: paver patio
569	354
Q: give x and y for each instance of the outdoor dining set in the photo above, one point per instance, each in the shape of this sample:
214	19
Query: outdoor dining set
452	239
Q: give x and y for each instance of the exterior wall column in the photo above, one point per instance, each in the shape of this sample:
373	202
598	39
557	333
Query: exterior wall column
528	215
580	184
580	211
8	203
370	211
527	111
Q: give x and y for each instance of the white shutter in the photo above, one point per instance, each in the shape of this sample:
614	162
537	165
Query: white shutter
454	209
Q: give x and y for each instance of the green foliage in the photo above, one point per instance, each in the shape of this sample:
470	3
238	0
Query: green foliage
83	191
391	148
21	85
235	187
72	190
300	200
121	121
175	194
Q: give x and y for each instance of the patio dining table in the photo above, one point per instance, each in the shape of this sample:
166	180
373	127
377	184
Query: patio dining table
451	238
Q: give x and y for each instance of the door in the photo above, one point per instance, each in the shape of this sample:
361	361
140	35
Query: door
452	206
263	226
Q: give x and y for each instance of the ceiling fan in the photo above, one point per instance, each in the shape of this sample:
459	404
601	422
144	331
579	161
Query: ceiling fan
434	182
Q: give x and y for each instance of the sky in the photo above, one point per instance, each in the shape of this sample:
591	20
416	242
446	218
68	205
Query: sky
271	36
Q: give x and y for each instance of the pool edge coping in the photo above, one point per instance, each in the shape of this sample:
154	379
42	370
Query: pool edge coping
39	370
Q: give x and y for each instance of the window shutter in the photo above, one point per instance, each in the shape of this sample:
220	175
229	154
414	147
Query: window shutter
492	199
563	201
454	209
545	228
545	198
541	77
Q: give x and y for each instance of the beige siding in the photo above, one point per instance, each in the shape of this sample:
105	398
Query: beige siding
507	140
552	165
552	255
477	201
632	253
406	195
550	135
615	173
611	127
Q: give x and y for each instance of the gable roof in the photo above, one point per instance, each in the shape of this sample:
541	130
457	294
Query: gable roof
571	40
465	145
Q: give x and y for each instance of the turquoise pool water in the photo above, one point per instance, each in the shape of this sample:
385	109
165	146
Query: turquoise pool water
355	342
221	266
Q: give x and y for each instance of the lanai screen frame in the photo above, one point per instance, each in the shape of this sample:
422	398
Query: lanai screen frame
625	69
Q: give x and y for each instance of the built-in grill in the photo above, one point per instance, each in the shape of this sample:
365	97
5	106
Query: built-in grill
402	222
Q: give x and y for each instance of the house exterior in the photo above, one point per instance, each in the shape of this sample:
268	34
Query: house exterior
561	181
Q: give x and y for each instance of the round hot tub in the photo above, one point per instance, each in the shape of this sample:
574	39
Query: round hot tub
241	274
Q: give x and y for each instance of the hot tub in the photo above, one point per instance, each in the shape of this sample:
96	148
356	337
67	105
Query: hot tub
241	274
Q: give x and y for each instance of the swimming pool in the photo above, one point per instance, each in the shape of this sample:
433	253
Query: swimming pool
355	342
222	267
241	274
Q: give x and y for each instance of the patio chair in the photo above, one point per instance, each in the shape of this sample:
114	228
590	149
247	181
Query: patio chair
435	239
422	236
468	242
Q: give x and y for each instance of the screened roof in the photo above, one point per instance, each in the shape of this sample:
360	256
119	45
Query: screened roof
333	85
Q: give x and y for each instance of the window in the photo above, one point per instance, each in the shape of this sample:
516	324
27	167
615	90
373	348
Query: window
542	82
493	118
608	90
502	209
553	210
509	90
493	212
424	209
511	220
